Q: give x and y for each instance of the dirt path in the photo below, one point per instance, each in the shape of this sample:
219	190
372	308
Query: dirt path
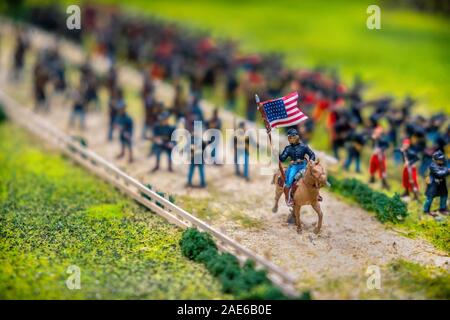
350	241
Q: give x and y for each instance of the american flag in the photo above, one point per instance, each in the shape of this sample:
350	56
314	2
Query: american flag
283	112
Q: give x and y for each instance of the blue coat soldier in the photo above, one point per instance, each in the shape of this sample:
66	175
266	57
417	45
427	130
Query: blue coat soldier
162	139
241	144
198	146
125	124
437	184
296	151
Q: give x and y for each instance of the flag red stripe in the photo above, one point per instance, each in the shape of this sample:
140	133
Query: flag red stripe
300	116
291	108
291	95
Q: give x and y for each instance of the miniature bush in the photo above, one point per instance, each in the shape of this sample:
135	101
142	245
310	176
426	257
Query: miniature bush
386	208
242	282
194	242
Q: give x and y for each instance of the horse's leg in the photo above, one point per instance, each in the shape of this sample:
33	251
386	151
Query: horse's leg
278	193
298	222
316	207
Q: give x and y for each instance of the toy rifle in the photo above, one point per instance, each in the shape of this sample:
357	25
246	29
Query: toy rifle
269	133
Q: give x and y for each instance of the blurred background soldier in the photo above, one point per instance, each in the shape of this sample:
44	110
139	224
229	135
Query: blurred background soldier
162	140
354	145
214	123
116	102
150	108
125	123
40	79
19	53
179	104
409	178
378	158
198	146
90	82
231	88
442	143
78	109
242	151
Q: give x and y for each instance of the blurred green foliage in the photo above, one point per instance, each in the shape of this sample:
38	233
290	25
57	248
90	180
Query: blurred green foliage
53	215
433	282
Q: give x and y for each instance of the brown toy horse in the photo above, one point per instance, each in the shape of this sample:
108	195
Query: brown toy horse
307	192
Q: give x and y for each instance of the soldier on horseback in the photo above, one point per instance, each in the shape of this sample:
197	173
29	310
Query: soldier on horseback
296	151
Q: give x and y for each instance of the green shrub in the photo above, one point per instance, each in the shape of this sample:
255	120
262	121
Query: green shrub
386	208
194	242
243	282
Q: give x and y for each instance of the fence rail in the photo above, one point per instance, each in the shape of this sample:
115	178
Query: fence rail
139	192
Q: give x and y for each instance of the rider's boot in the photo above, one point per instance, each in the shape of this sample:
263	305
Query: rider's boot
287	195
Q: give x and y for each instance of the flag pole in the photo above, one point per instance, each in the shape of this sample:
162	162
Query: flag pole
269	133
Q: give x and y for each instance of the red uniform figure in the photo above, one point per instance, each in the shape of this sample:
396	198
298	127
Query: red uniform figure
409	179
378	158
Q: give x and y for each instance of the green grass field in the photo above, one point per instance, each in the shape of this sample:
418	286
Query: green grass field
54	215
410	54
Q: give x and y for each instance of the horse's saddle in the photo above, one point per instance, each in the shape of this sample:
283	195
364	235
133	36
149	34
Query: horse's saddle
294	184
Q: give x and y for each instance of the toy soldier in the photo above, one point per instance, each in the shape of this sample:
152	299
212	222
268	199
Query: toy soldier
354	145
339	133
437	184
111	78
395	119
443	142
78	109
40	79
162	139
126	133
296	151
214	123
150	115
409	179
179	105
419	143
116	102
19	54
198	146
231	89
242	150
378	158
435	123
90	81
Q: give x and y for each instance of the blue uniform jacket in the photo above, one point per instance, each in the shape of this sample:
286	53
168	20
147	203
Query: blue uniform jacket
297	152
438	183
